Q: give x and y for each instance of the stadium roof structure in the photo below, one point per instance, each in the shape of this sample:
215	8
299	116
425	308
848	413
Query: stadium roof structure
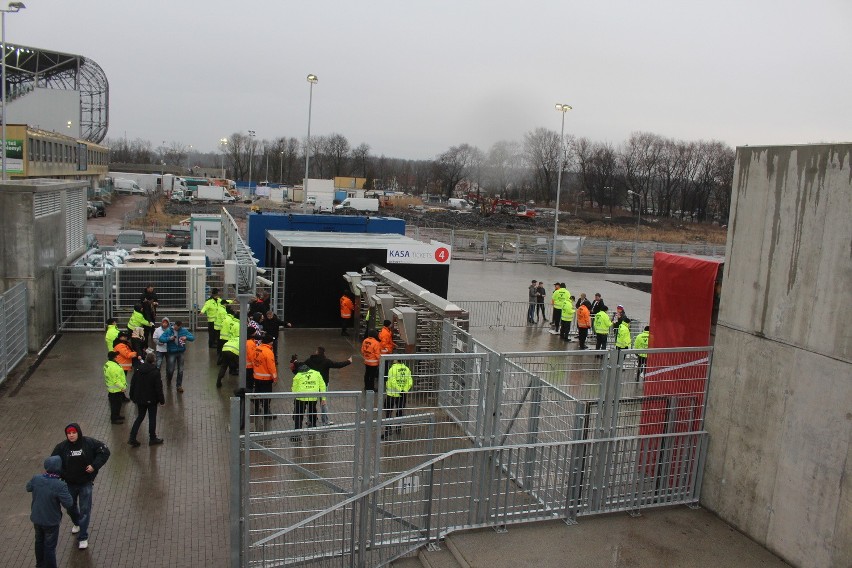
28	68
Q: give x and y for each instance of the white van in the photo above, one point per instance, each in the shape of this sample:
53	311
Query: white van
127	186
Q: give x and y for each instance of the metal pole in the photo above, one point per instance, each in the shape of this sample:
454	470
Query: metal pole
251	159
558	183
281	170
236	514
244	302
3	25
311	80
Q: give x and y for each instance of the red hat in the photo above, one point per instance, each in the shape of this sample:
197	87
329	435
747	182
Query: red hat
71	429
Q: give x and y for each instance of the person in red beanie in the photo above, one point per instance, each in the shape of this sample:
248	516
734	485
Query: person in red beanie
82	458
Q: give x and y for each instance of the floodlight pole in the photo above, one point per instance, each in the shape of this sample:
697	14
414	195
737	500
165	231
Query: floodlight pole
563	109
311	79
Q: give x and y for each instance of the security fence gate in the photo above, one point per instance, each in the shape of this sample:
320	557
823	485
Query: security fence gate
483	439
13	328
89	296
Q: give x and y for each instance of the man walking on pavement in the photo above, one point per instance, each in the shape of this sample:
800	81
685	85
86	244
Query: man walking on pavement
265	373
146	391
397	385
210	309
602	324
322	364
306	380
49	494
371	350
111	333
540	293
82	458
175	339
532	300
347	308
161	349
116	383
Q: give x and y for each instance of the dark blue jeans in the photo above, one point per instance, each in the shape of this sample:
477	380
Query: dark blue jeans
82	496
45	545
175	359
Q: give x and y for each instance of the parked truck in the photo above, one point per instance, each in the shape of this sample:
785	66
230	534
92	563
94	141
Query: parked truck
213	193
359	204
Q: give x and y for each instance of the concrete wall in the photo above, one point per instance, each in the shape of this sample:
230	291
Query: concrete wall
31	249
780	405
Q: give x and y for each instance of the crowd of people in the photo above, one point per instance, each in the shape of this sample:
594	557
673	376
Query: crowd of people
589	316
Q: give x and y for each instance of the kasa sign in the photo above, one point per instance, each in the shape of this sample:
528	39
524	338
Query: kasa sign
432	253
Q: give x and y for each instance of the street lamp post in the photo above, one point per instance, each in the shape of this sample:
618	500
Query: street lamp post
311	79
251	156
281	170
563	108
223	143
13	7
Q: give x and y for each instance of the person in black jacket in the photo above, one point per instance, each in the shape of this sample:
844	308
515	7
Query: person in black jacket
49	492
149	302
146	391
272	328
82	458
319	362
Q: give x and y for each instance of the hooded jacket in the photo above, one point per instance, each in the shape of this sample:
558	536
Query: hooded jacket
146	386
77	456
49	492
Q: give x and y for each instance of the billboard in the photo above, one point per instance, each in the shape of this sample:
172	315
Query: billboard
419	253
14	156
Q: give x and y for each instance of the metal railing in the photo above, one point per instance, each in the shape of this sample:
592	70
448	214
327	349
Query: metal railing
430	501
14	342
482	439
581	252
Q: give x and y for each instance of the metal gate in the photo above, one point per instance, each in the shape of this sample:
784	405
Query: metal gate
13	325
484	439
88	296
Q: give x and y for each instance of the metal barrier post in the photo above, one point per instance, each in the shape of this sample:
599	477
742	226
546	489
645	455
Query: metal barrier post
237	511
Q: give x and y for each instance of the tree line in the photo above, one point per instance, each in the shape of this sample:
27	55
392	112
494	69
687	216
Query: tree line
648	172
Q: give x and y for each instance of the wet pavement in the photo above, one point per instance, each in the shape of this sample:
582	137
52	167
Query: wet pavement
168	505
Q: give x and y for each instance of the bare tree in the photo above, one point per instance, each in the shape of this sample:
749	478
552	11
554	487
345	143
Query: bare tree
175	154
452	166
504	167
640	160
542	149
360	156
337	147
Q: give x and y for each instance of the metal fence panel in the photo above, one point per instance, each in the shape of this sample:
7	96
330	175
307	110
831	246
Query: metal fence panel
84	297
14	344
591	253
482	439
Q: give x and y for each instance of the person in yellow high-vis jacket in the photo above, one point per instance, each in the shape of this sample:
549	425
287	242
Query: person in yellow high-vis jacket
397	386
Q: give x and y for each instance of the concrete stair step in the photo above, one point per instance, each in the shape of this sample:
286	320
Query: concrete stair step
445	557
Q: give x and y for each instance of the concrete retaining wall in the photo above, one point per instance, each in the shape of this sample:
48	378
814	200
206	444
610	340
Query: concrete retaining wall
32	249
780	404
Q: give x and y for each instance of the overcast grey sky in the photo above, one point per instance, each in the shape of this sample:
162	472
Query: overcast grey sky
413	77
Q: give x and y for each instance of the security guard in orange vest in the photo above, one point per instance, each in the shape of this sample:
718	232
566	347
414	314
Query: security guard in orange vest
347	308
371	350
265	373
